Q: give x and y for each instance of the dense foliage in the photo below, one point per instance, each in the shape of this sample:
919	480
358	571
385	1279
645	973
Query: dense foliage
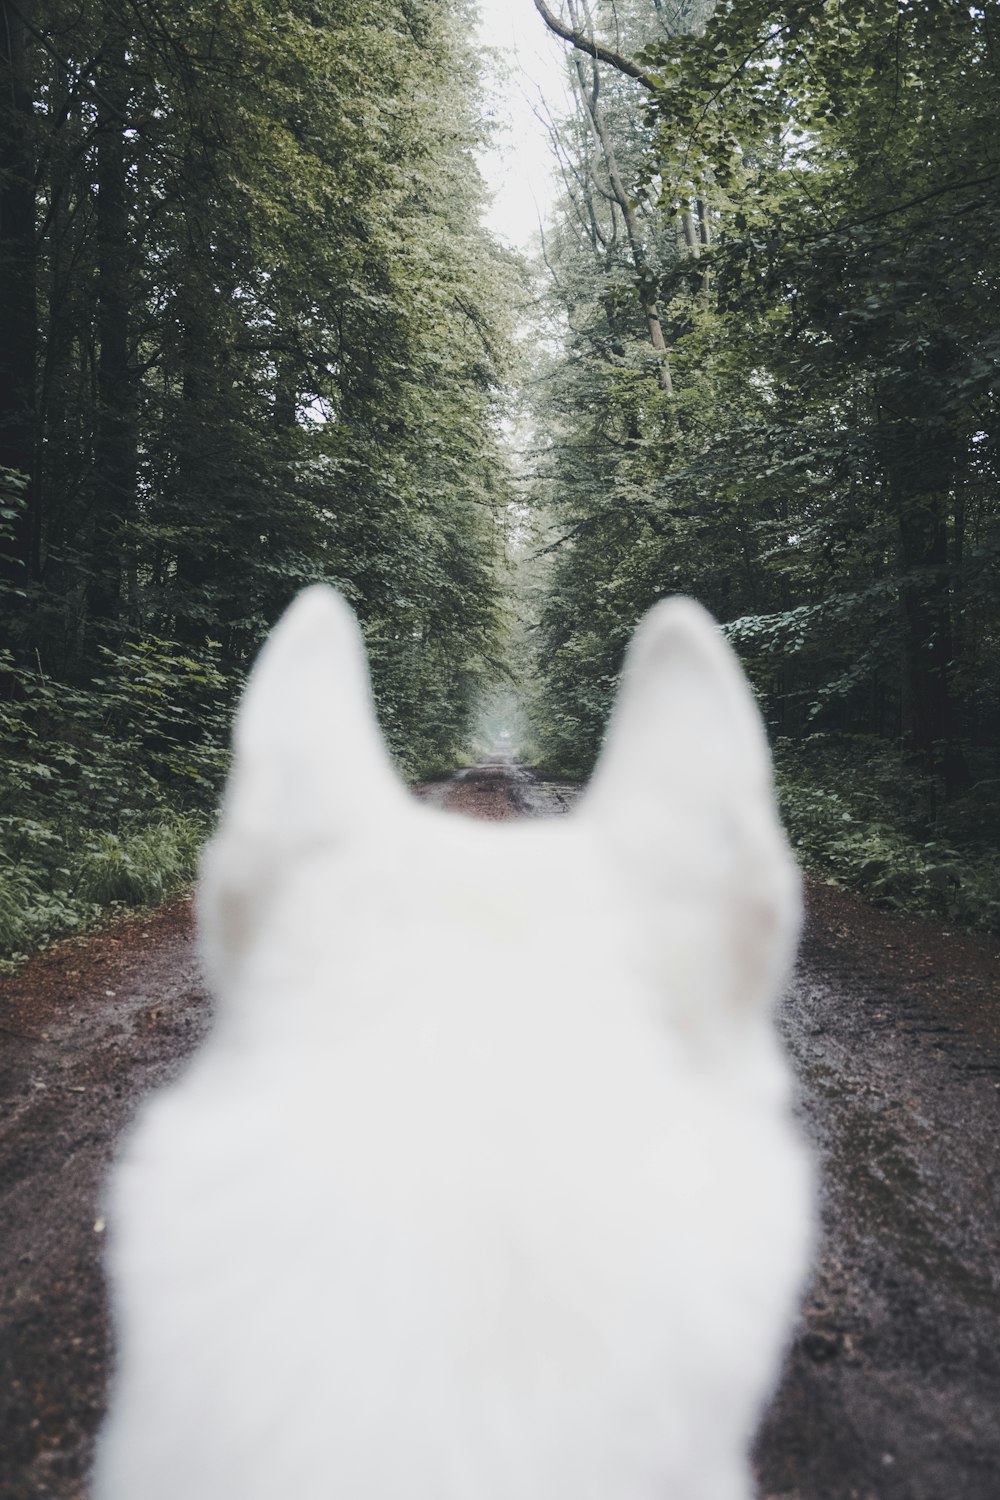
251	335
815	201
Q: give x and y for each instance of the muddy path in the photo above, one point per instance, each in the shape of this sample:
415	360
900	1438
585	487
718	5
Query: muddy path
892	1387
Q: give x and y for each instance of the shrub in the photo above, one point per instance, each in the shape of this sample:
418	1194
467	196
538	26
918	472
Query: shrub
856	815
106	791
144	865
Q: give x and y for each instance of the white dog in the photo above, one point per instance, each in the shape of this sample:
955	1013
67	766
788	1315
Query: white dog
484	1186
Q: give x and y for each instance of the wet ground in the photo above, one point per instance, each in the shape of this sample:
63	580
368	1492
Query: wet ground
892	1387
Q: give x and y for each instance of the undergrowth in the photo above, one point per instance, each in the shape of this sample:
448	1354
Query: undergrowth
139	866
106	792
857	816
109	790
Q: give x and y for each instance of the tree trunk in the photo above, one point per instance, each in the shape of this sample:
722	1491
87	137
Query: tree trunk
595	116
19	562
920	469
114	496
929	722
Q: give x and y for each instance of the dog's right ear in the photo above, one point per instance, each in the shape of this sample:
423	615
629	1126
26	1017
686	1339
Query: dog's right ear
309	767
683	790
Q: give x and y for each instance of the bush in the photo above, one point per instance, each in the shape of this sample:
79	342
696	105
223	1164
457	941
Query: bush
141	866
106	792
856	815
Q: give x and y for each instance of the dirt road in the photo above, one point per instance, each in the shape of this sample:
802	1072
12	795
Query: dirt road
892	1388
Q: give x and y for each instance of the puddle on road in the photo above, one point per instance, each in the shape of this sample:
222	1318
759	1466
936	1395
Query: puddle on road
507	789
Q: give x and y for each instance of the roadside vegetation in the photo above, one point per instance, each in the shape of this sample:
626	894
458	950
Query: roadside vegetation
252	335
768	378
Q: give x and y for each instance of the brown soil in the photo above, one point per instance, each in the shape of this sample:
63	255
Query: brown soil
892	1387
485	791
86	1029
893	1382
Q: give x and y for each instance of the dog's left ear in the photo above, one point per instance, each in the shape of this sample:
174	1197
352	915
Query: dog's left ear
309	760
309	769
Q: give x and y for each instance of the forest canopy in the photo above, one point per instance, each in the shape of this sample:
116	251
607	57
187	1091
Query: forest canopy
251	335
773	297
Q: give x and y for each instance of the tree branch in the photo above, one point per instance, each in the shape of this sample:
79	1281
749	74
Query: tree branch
79	78
594	49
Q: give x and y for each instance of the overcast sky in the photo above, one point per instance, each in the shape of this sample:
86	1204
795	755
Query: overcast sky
520	170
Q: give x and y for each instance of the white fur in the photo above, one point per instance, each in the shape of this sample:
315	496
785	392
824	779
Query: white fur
484	1186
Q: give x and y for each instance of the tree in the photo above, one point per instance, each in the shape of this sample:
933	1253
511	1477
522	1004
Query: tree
835	368
18	317
253	364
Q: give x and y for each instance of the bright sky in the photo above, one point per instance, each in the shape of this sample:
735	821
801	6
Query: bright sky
520	170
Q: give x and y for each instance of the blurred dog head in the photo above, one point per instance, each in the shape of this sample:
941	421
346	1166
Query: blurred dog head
484	1183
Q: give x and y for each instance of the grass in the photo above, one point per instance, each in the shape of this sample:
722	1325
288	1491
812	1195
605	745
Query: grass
69	878
856	817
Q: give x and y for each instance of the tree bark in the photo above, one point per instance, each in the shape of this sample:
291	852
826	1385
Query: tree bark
595	116
593	49
115	462
920	464
691	237
929	720
19	563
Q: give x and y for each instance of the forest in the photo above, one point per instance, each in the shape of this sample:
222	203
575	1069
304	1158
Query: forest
253	333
